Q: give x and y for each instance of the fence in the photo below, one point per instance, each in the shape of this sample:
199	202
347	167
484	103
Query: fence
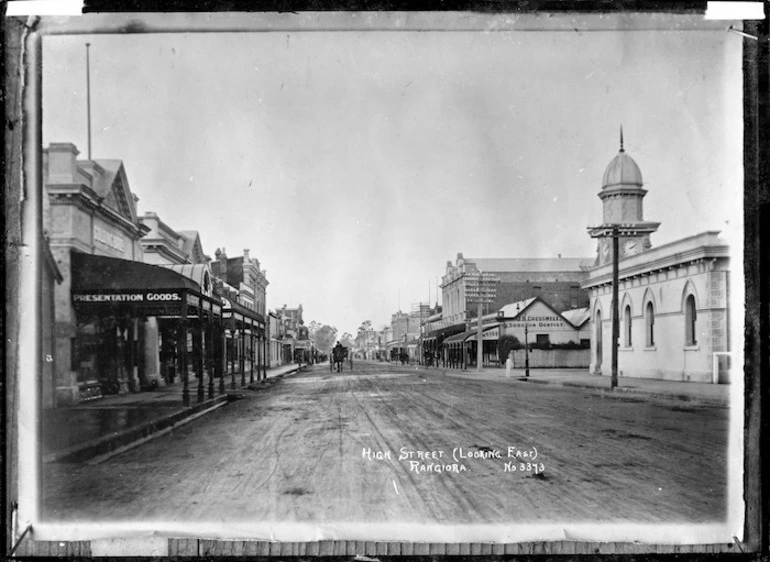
552	358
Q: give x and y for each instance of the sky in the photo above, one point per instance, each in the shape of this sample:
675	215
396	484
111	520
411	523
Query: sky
355	164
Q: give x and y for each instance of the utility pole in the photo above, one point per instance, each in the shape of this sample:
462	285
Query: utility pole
479	339
616	231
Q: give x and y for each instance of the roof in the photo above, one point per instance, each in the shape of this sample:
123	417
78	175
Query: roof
515	308
622	171
533	265
92	273
576	316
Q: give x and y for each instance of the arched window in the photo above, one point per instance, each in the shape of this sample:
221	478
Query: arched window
650	324
690	316
627	325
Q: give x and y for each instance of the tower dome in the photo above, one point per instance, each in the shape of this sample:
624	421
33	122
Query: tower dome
622	170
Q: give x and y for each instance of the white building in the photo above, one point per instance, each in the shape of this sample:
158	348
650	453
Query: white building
674	299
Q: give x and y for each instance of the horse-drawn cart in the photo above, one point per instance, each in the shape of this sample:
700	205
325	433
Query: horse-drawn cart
339	354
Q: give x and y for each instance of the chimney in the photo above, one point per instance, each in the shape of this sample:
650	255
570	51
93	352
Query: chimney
246	258
223	265
62	163
459	256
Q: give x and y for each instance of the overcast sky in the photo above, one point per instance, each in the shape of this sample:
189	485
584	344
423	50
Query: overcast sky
353	165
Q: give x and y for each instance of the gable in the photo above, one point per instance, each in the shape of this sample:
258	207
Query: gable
115	189
120	194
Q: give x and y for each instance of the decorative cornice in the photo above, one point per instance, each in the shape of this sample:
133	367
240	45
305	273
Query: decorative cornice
602	275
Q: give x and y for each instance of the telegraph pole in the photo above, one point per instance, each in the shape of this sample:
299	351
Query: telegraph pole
616	231
615	314
479	339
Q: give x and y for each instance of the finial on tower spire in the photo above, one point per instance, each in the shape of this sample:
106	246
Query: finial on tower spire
621	139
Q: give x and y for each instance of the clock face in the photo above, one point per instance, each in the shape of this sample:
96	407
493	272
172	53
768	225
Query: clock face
630	248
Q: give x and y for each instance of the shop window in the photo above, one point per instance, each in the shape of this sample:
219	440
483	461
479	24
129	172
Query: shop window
86	349
690	316
650	324
627	325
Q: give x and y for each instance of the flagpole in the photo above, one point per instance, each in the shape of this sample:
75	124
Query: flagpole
88	95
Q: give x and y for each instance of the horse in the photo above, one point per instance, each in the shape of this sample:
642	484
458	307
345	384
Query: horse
339	354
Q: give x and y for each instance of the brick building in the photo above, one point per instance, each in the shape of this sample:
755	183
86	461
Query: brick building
555	280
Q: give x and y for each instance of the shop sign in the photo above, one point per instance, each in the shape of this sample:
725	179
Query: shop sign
537	322
492	334
130	297
193	300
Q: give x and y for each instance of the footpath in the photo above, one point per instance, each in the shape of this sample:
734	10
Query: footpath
97	429
702	393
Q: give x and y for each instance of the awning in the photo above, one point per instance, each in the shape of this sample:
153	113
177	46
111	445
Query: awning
448	331
108	285
458	338
198	272
488	333
235	310
103	273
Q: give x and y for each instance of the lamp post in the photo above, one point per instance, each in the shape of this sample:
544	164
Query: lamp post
615	231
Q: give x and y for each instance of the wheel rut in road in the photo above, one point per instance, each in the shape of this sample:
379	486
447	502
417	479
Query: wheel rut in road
293	452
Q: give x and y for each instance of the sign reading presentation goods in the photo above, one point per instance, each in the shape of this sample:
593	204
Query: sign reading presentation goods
126	296
151	302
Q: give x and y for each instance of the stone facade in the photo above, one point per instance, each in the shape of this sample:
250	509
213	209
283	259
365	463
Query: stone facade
659	338
89	208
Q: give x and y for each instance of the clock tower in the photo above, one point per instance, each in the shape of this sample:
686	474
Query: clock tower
622	196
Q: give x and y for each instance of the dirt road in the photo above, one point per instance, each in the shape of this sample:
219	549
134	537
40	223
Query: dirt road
388	443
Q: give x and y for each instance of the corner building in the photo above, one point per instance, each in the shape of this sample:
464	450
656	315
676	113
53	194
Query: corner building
674	299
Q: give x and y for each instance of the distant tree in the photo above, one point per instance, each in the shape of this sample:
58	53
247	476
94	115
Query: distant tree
312	329
347	339
324	338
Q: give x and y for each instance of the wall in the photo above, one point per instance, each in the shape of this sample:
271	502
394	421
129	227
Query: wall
669	358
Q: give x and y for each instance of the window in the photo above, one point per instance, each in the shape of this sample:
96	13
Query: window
627	325
650	321
543	339
690	316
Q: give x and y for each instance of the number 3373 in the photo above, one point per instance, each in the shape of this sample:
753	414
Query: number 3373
524	467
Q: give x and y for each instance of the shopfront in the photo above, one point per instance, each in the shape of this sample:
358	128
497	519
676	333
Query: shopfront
115	301
245	345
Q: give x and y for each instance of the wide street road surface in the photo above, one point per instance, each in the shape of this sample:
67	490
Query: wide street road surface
387	443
